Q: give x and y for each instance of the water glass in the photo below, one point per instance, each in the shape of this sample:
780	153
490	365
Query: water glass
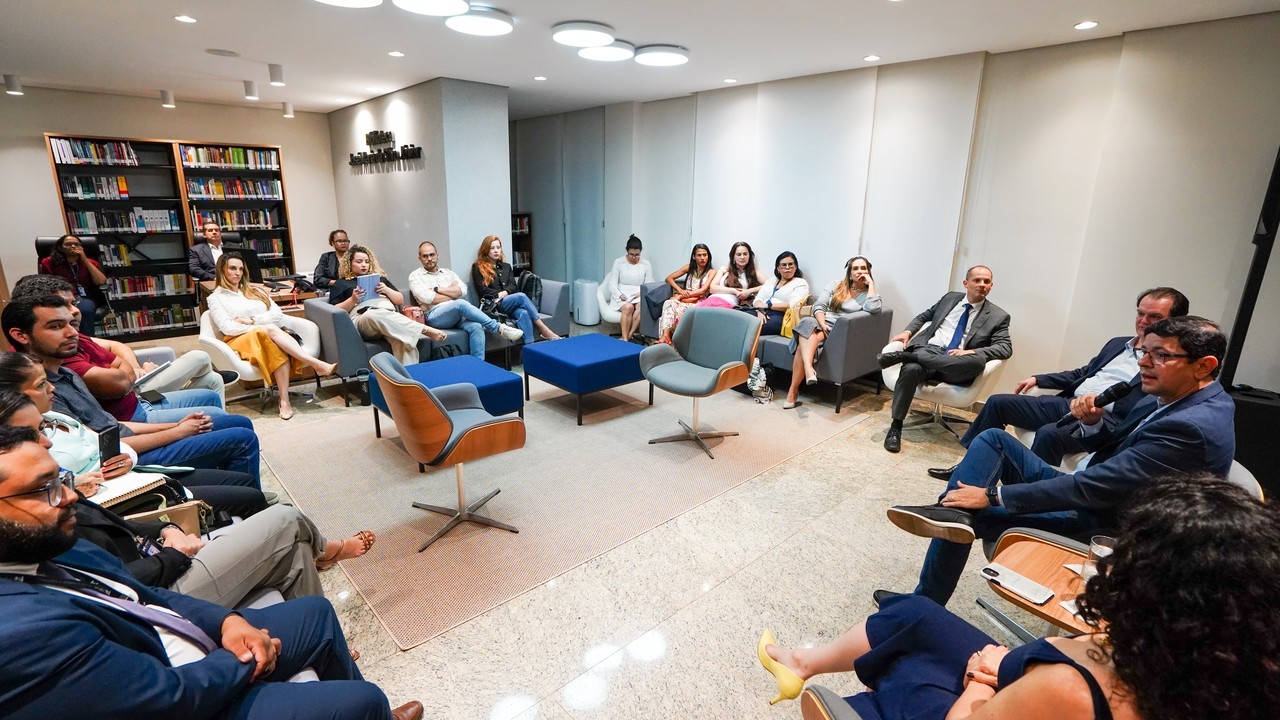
1100	546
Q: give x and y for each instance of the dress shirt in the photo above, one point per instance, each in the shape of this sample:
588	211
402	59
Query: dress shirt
72	397
225	305
423	284
1121	369
942	336
215	253
791	293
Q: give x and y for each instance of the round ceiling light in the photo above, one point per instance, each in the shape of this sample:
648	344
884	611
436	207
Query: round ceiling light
437	8
613	52
662	55
483	21
582	34
1086	25
352	3
222	53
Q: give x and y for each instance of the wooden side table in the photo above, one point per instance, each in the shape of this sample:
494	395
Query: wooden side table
1042	561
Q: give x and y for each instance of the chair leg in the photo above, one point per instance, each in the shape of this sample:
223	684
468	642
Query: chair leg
937	417
839	396
462	513
693	434
377	430
1006	622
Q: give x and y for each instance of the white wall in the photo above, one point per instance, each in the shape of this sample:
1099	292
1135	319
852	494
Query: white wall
540	191
664	163
29	193
477	169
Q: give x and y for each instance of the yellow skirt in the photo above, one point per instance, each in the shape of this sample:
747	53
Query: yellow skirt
258	349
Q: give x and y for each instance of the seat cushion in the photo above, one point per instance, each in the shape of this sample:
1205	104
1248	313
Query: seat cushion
684	378
501	391
584	363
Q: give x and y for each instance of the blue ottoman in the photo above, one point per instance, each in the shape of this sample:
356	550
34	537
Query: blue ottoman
499	389
583	364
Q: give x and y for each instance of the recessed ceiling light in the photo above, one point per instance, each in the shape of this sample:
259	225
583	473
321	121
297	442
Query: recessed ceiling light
871	58
222	53
341	100
250	90
539	77
396	53
613	52
662	55
731	81
1086	25
166	99
288	109
352	3
12	85
184	18
581	34
372	89
437	8
483	21
277	74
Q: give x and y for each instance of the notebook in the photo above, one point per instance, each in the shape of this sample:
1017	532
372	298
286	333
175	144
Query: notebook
125	487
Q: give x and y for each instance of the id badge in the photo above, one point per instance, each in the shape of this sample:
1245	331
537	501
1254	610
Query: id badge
147	548
83	292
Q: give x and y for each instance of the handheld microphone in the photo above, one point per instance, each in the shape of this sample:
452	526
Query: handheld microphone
1106	397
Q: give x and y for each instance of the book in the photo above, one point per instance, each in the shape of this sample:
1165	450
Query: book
369	284
143	378
125	487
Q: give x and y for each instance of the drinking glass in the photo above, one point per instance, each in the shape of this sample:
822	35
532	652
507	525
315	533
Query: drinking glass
1100	546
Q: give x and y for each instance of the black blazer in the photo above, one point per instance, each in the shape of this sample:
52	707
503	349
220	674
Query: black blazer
119	537
505	280
326	270
200	260
987	334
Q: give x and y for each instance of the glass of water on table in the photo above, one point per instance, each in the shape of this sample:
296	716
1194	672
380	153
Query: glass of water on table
1100	546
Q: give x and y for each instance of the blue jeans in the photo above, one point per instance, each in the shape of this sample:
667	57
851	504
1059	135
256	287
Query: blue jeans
177	405
522	310
462	314
230	445
993	456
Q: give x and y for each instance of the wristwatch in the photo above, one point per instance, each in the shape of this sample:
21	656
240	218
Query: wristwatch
993	495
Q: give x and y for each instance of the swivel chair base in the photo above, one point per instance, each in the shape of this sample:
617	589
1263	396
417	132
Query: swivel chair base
692	433
936	417
462	513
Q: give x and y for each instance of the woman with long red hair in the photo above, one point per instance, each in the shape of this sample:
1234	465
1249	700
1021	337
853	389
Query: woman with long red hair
494	280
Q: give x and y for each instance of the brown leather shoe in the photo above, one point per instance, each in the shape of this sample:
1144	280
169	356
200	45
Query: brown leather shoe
408	711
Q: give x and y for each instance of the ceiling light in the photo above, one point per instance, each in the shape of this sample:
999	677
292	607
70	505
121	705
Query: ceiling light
352	3
277	74
613	52
871	58
250	90
481	20
662	55
1086	25
582	34
12	85
184	18
222	53
731	81
166	99
288	109
396	53
341	100
438	8
539	77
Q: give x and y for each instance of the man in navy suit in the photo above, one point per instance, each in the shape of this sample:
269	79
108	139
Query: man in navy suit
964	331
202	258
1117	362
79	637
1184	425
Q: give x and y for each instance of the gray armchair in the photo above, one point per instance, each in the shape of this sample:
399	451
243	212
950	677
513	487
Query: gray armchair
652	295
848	354
710	352
820	702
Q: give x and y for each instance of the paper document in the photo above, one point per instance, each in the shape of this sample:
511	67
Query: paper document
144	377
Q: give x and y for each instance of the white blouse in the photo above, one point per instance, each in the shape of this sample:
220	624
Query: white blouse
225	306
628	278
791	293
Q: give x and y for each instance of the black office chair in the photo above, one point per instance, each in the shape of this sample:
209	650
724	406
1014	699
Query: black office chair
44	247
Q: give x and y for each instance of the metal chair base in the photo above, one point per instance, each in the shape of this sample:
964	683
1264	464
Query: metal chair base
462	513
692	434
936	417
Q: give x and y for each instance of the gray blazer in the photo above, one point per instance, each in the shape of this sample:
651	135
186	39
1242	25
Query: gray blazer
987	334
200	259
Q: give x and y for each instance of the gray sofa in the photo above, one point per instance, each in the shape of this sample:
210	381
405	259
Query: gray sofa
554	311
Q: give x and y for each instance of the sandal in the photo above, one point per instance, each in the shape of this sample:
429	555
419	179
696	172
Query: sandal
365	540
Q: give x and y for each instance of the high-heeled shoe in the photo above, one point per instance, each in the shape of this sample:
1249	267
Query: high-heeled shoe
789	684
811	378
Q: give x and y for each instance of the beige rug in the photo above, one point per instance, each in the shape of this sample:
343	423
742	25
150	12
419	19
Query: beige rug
574	492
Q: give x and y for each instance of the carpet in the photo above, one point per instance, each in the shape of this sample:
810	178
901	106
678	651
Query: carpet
574	492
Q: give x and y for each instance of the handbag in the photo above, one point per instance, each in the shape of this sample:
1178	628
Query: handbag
489	306
414	313
758	383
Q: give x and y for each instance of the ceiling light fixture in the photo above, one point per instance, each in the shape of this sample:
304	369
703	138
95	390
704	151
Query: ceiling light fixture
396	53
730	81
352	3
483	21
222	53
250	90
12	85
613	52
437	8
184	18
871	58
1086	25
288	109
166	99
582	34
539	77
662	55
277	74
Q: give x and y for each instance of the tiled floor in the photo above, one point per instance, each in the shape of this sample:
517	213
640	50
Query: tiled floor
665	625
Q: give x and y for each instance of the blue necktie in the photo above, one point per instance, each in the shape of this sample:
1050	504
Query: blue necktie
958	335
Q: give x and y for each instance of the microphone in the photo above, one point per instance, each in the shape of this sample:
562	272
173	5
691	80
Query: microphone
1106	397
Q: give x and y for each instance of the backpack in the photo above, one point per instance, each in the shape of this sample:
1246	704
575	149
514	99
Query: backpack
531	286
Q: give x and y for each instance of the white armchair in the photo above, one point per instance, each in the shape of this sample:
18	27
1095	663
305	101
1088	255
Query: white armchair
224	358
1026	436
607	313
942	394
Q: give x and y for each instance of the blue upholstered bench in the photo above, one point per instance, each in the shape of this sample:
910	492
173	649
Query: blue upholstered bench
499	389
583	364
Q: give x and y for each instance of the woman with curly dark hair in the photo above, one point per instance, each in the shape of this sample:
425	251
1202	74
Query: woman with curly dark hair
1186	618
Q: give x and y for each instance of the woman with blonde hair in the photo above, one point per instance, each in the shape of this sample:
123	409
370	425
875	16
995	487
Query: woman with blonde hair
493	279
855	293
378	316
250	323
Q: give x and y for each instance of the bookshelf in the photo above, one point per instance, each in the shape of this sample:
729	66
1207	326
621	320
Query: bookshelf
521	254
145	199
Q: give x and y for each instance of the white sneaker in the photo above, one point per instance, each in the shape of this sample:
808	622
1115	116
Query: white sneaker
510	333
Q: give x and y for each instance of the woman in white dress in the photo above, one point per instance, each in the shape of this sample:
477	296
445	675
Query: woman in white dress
250	323
628	274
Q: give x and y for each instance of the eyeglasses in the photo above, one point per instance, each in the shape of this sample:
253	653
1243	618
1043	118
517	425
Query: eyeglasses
71	244
1158	357
786	264
633	254
53	489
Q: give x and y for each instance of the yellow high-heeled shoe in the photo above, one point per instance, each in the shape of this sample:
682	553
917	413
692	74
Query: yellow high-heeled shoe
789	684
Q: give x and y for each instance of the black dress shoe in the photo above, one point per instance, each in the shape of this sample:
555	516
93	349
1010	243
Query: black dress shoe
934	521
942	473
889	359
893	440
879	596
228	376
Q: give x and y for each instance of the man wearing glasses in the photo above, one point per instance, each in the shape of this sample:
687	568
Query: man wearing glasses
441	294
1184	425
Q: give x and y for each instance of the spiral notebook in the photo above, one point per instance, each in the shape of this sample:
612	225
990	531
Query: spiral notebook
125	487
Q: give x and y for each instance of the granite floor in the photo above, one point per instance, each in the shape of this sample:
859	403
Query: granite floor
666	624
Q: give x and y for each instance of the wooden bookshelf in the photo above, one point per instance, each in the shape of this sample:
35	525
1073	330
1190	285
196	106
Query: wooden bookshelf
521	251
145	199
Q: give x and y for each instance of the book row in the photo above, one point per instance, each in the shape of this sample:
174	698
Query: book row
273	271
136	220
139	285
236	219
234	189
266	246
200	156
520	224
70	151
87	187
119	322
521	259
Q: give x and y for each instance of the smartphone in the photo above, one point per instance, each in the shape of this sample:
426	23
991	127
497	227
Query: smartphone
109	443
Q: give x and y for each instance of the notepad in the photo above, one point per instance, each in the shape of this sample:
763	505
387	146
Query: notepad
143	378
129	485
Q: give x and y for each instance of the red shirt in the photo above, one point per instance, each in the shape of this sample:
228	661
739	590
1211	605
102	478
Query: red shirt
74	274
91	355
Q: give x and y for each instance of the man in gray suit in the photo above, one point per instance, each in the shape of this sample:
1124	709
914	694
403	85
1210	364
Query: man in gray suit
964	332
202	258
